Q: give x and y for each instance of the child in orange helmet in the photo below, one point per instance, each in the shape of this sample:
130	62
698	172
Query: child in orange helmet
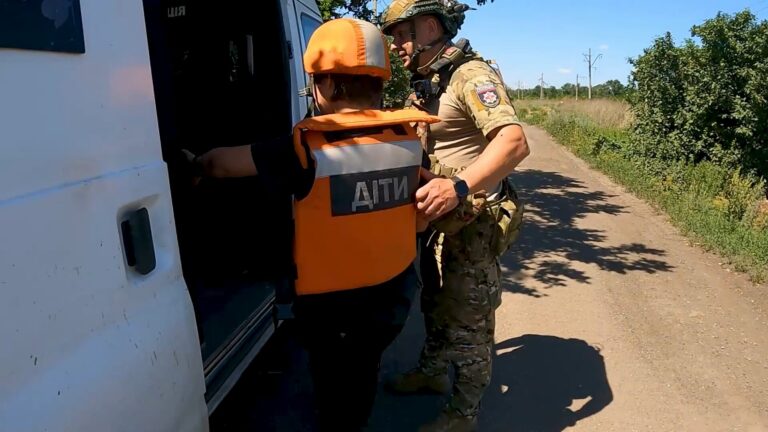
353	170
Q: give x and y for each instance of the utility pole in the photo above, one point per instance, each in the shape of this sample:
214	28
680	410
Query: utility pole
541	86
591	64
375	13
519	86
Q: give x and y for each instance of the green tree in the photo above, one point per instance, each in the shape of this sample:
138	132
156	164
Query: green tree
658	76
726	114
339	8
614	88
397	89
706	99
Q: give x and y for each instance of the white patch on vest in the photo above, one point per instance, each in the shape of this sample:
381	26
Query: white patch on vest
363	194
351	159
401	188
362	189
384	183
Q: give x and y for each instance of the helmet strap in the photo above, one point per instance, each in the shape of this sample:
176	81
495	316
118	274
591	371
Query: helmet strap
413	66
426	70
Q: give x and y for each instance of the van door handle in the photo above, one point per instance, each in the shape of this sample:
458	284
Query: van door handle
138	245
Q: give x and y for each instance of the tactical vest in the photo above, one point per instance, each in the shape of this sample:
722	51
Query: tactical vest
357	226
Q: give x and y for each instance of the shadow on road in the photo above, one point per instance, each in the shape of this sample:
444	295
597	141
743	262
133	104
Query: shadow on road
552	245
544	384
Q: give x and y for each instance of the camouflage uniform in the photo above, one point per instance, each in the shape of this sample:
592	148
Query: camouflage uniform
460	299
460	269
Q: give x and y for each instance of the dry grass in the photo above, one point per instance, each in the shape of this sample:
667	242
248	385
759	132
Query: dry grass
604	112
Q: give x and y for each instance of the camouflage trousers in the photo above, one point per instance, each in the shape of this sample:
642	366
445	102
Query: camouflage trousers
461	291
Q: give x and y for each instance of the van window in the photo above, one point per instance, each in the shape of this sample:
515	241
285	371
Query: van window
308	26
48	25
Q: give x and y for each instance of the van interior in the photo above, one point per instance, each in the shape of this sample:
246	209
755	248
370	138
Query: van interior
215	66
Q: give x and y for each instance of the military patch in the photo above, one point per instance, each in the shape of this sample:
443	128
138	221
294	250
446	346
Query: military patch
488	95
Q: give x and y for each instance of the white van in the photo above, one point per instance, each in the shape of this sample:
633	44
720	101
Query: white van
129	299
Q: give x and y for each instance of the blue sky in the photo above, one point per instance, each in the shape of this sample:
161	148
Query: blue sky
528	38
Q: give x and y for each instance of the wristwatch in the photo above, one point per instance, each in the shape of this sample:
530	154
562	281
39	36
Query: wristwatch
460	186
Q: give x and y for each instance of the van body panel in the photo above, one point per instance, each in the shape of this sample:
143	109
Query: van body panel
78	116
92	340
91	344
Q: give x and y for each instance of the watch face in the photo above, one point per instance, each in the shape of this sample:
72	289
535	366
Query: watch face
460	186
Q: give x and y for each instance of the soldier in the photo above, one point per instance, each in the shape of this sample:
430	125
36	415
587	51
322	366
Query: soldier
475	212
353	171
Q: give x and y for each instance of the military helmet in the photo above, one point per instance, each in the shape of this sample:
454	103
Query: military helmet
449	12
348	46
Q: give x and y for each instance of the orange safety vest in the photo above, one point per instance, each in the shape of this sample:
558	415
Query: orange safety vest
357	226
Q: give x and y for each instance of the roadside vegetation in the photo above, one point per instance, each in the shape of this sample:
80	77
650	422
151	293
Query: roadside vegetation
721	209
688	134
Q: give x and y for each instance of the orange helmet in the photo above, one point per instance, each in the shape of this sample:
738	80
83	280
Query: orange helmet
348	46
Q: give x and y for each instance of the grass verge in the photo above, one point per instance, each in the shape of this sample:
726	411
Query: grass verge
719	209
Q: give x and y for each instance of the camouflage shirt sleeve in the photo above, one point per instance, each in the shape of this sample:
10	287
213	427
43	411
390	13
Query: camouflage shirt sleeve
483	95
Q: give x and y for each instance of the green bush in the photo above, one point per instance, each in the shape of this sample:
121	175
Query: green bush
741	192
706	100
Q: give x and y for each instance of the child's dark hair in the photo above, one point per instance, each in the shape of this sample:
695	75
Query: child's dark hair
356	88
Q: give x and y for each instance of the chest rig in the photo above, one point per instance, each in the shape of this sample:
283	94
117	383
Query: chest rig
431	81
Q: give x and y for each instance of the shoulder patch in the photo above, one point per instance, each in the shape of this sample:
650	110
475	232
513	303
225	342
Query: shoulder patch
487	94
448	51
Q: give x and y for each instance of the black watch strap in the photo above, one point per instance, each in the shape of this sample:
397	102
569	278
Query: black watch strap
461	187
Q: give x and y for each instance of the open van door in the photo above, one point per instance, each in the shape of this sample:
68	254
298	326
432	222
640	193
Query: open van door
303	16
225	74
97	325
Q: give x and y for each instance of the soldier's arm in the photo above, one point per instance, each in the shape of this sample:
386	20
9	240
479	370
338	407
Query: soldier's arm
488	104
485	99
506	149
274	161
228	162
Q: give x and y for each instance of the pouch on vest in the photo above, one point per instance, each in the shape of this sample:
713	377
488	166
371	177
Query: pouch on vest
465	212
508	213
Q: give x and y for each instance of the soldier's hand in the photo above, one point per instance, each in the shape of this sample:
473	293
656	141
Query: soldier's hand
436	198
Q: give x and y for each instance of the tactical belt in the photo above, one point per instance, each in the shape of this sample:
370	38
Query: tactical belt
443	170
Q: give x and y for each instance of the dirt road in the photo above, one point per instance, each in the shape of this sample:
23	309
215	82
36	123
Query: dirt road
611	321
